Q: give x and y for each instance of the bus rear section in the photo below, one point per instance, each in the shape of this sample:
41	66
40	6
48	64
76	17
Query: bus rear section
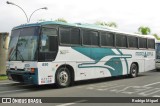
158	55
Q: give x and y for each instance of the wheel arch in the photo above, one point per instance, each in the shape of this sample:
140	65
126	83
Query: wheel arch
136	65
71	69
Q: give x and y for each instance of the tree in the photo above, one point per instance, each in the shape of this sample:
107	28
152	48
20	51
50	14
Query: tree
61	20
156	36
144	30
101	23
112	24
109	24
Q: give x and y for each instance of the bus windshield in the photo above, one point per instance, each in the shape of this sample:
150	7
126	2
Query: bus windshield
157	50
23	44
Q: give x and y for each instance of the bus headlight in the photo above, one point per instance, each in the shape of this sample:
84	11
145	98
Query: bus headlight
30	70
7	67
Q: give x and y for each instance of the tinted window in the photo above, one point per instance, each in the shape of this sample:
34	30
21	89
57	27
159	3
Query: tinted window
75	36
48	40
151	43
94	38
49	44
65	35
107	39
90	37
133	42
142	43
86	37
121	40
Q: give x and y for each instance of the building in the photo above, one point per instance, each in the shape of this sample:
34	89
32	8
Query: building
4	41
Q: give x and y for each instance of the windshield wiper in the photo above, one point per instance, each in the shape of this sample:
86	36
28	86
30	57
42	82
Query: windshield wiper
16	52
20	55
11	56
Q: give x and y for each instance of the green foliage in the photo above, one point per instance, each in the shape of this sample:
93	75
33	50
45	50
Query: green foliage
112	24
101	23
3	77
144	30
156	36
109	24
61	20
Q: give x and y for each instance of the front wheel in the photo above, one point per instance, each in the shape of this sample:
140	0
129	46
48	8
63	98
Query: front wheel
133	70
63	77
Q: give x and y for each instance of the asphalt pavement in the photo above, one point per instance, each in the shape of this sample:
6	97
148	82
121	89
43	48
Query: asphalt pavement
147	84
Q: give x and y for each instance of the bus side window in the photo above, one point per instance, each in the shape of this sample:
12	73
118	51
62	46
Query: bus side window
142	43
48	40
48	44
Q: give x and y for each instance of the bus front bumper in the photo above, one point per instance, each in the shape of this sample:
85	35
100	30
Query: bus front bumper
22	76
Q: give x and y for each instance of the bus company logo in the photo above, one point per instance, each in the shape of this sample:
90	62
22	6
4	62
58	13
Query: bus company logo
6	100
144	54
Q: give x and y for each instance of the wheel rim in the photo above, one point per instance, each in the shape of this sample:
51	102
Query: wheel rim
63	78
134	70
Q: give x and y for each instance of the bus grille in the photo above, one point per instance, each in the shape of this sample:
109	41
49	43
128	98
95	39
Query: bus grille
17	69
18	78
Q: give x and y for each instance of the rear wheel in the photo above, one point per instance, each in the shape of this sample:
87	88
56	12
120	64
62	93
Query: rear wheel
133	70
63	77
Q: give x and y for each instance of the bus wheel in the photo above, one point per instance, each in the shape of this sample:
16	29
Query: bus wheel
63	77
133	70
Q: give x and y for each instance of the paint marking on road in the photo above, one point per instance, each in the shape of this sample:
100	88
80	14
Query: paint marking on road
102	86
150	92
156	96
151	84
13	91
103	89
133	89
72	103
9	83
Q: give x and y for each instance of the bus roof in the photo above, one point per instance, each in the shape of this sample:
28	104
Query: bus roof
89	26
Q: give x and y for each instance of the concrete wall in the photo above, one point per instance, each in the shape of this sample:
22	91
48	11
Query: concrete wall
4	42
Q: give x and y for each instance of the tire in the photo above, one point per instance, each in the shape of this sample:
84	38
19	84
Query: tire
63	77
133	70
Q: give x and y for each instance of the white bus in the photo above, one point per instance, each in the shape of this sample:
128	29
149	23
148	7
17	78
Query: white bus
157	55
61	53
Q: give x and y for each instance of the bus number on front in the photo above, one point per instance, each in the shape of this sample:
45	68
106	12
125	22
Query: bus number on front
44	64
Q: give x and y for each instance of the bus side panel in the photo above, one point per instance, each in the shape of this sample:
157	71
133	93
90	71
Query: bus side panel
149	64
134	58
141	65
46	73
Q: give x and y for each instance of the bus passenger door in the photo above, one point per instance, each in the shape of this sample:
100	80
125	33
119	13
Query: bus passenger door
47	53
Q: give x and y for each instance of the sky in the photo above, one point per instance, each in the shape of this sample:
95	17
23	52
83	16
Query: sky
129	15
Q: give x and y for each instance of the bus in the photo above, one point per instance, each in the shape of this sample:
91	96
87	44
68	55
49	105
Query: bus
62	53
158	55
